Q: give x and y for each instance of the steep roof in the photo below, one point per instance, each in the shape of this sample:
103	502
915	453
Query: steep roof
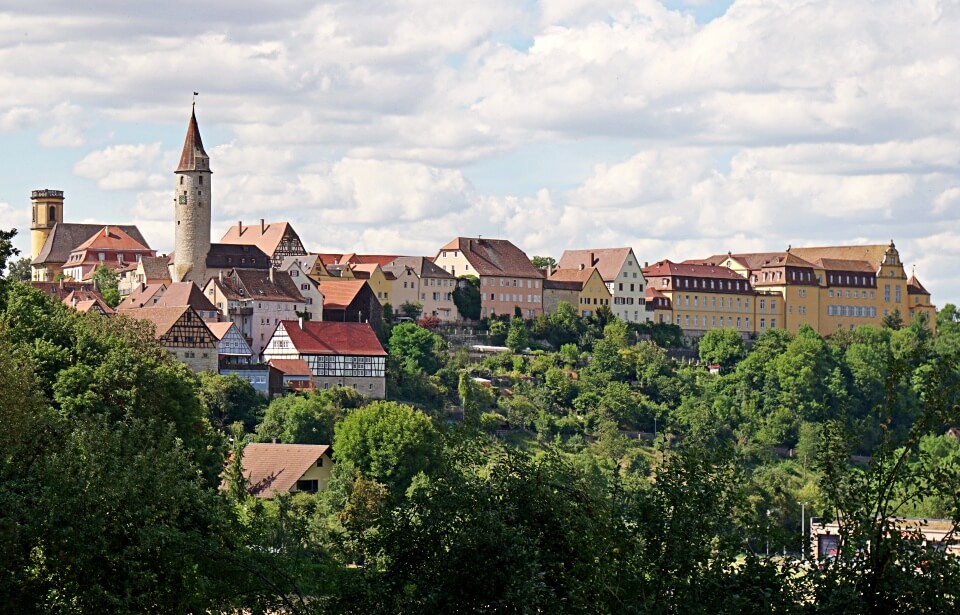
276	468
185	293
220	329
572	275
914	287
608	261
192	147
256	284
267	237
496	257
333	338
86	300
142	296
836	264
228	255
420	265
64	237
308	261
339	294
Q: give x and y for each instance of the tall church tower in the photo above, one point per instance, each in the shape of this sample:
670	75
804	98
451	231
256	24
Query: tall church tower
192	201
47	206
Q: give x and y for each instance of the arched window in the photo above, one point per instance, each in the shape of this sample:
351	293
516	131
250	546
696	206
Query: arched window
53	214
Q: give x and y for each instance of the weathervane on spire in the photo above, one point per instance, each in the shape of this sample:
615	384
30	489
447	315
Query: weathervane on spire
195	94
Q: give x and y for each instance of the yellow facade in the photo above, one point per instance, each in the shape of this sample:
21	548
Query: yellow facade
593	295
320	473
47	210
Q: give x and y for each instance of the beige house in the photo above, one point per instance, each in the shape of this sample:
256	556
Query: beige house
376	278
417	280
583	288
300	269
621	272
508	280
286	468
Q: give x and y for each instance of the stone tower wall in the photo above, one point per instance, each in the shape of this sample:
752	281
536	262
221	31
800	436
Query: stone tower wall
41	201
192	233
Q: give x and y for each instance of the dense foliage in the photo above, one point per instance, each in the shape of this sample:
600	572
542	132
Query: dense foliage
595	466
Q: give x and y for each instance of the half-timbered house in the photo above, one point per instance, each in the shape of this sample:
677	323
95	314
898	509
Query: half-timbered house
183	333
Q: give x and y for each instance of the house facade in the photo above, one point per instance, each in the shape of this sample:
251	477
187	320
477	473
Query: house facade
345	354
276	239
286	468
508	280
417	280
583	288
184	334
621	272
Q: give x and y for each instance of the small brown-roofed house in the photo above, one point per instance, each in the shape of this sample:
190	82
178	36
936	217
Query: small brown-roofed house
188	293
149	270
88	301
256	300
295	374
620	271
286	468
183	333
337	353
146	295
376	277
276	239
588	290
350	301
508	280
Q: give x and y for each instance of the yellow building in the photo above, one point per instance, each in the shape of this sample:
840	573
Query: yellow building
582	287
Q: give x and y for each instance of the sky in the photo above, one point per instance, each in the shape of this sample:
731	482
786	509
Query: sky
681	128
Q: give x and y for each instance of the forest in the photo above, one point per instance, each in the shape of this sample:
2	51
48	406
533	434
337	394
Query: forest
585	470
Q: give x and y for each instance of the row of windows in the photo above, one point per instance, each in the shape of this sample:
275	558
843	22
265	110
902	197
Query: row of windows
848	280
620	289
628	301
863	311
514	298
586	301
856	294
704	322
702	283
726	303
514	282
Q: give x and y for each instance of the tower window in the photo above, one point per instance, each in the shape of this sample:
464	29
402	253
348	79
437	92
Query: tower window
53	214
201	180
181	180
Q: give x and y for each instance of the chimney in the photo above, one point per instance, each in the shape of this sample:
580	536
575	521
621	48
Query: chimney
221	276
582	266
593	261
239	227
263	227
271	275
300	320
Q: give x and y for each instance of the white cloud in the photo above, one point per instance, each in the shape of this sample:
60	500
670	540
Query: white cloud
123	167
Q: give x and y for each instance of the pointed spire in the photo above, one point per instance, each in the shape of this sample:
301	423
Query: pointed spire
193	148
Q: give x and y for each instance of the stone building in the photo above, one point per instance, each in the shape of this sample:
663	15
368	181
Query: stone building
192	200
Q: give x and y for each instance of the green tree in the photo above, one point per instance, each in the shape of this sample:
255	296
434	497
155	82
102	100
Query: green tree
386	442
723	347
543	262
307	418
411	309
466	296
416	348
107	281
6	252
230	399
517	339
893	320
19	270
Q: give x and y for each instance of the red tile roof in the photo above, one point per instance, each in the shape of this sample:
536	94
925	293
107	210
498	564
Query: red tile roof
163	319
112	238
871	254
494	257
276	468
608	261
220	329
192	147
339	294
142	296
185	293
333	338
836	264
256	284
292	367
914	287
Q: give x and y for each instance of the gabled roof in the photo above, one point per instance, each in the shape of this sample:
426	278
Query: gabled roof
608	261
572	275
292	367
185	293
229	255
220	329
339	294
142	296
667	268
570	285
162	318
420	265
494	257
333	338
64	237
192	147
62	288
111	238
308	262
267	237
86	300
256	284
276	468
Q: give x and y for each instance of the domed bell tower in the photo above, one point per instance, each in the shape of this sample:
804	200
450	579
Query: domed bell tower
192	200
